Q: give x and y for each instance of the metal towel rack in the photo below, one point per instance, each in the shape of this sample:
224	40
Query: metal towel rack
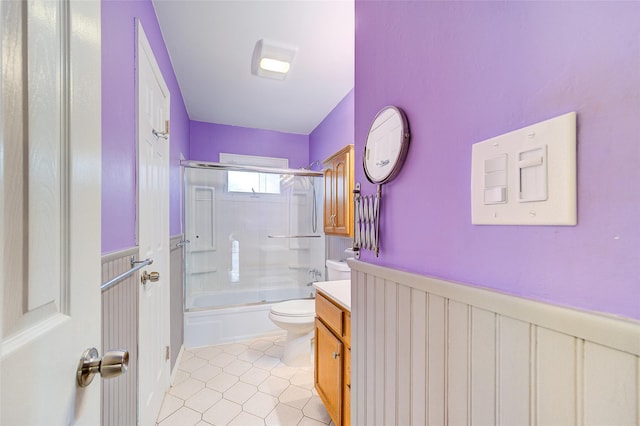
366	234
136	265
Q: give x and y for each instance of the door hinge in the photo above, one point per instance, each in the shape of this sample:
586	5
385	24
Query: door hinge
167	354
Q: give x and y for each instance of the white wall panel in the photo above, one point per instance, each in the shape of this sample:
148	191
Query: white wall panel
176	298
556	378
418	357
483	367
358	360
367	384
610	392
391	348
436	366
458	364
427	351
120	330
403	403
379	352
514	374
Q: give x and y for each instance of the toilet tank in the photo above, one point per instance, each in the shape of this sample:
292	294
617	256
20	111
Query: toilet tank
338	270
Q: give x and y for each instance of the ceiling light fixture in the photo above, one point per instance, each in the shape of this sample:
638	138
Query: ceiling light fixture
272	59
275	65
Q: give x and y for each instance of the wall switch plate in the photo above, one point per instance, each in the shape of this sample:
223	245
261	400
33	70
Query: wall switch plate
526	177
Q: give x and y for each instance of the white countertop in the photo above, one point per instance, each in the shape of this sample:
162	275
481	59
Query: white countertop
339	291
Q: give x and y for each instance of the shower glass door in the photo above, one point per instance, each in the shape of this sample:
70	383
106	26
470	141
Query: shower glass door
255	236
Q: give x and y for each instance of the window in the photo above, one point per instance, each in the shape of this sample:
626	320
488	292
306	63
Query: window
253	182
264	183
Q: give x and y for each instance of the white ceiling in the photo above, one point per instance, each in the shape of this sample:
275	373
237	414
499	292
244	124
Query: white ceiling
211	42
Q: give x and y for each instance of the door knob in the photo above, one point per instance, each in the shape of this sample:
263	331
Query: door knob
335	355
113	364
153	277
182	243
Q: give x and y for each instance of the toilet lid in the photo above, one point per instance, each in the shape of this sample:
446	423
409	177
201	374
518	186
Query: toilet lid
295	308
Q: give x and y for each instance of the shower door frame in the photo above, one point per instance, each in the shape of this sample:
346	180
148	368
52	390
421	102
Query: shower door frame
238	167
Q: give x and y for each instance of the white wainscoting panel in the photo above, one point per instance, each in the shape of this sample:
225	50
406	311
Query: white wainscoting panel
429	351
418	349
404	357
515	370
458	362
436	361
120	331
483	367
610	392
176	297
556	378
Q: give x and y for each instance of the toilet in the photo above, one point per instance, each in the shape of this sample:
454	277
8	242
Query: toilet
297	318
338	269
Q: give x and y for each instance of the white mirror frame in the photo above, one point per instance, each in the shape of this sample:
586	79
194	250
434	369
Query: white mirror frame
387	145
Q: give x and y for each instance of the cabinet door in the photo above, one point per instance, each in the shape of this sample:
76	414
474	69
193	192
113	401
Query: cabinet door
341	198
328	372
329	184
338	196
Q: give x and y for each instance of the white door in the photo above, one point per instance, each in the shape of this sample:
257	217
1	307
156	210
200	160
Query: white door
50	170
153	231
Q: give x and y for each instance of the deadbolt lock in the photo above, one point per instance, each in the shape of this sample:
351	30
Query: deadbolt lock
153	277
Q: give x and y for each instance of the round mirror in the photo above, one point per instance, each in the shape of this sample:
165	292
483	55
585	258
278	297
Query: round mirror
387	145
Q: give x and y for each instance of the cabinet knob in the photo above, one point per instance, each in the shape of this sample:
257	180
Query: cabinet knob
335	355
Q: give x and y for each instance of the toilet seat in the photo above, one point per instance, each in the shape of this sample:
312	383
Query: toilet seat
295	308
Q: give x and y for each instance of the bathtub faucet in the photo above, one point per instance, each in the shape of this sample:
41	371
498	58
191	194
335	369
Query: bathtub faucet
314	273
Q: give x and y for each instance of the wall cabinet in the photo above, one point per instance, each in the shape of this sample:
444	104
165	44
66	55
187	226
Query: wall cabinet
333	359
338	193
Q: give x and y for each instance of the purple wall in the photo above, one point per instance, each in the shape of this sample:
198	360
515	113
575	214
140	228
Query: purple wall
208	140
334	132
467	71
118	121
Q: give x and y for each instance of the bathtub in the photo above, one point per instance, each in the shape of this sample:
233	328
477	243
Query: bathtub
205	326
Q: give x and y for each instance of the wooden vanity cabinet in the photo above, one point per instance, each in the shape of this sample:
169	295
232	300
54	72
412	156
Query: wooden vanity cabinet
338	192
333	358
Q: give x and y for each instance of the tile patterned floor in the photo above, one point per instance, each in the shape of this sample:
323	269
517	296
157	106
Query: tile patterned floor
242	384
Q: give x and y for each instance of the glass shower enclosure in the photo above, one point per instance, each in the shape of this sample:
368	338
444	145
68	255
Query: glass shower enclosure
255	234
